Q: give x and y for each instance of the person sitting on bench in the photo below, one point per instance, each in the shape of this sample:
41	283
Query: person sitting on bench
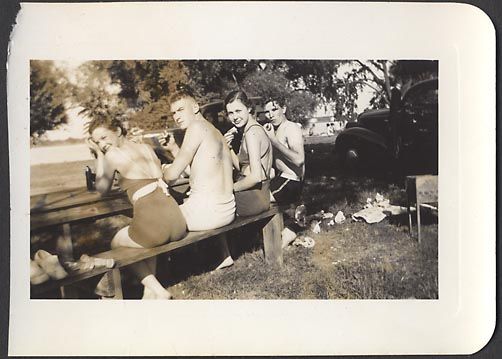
157	218
211	203
289	154
289	161
254	158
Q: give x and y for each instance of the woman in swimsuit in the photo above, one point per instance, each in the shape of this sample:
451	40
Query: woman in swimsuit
254	158
157	218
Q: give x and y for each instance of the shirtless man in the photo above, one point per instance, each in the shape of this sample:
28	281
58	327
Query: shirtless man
289	162
211	203
289	154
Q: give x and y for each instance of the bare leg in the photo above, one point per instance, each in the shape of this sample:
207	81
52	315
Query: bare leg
144	270
225	253
152	265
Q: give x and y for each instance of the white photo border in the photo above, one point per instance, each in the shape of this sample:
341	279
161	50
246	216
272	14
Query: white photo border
460	37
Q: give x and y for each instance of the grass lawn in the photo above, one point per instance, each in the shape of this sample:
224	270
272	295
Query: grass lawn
351	260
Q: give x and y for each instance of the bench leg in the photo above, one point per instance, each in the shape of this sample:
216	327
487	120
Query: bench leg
117	283
418	223
64	245
68	292
110	285
272	241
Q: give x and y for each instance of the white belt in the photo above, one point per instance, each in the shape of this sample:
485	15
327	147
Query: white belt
149	188
290	176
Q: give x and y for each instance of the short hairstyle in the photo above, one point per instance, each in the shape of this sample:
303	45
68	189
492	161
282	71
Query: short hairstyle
182	91
239	95
277	98
101	120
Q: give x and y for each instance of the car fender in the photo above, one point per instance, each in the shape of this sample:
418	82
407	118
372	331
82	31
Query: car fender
360	134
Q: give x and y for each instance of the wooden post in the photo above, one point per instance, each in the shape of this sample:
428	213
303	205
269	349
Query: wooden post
421	190
68	292
64	246
117	283
411	194
272	240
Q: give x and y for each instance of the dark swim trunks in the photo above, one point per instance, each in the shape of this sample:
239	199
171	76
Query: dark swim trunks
286	191
157	218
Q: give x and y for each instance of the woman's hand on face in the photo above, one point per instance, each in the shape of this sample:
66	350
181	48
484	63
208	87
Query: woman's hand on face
93	146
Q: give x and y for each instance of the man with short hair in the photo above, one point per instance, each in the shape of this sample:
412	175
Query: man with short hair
289	154
289	162
211	203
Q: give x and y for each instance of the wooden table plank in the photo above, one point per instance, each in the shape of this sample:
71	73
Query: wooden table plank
79	204
103	208
65	199
126	256
76	197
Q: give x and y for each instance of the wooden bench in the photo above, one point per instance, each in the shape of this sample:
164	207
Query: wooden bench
65	208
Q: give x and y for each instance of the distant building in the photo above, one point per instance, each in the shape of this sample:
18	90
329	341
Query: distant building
324	126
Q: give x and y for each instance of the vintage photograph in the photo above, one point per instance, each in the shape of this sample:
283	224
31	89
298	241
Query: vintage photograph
234	179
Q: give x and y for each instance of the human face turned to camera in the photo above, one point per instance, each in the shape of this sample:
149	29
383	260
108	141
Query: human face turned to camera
275	113
238	113
106	138
184	112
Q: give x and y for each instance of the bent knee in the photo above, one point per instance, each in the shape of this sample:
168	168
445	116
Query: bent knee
120	238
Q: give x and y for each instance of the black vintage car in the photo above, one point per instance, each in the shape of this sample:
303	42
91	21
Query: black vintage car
403	136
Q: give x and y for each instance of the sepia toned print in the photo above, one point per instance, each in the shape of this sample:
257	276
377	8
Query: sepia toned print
334	195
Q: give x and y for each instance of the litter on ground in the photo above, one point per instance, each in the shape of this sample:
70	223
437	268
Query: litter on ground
327	215
340	217
315	226
301	215
306	242
375	211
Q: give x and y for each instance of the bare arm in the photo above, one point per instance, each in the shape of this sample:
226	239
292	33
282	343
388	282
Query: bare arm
235	160
229	136
183	156
105	171
253	146
295	153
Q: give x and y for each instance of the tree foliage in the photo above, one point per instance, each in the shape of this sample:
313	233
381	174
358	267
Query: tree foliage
93	92
146	86
215	78
269	84
48	93
138	90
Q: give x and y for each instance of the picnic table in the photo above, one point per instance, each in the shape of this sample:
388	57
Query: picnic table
60	210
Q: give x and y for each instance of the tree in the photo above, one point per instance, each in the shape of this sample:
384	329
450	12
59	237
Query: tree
259	78
215	78
273	84
48	91
146	86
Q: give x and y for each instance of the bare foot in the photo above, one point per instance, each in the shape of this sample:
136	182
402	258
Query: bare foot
164	295
227	262
148	294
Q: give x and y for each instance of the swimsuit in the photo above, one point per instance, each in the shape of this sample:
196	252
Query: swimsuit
256	199
206	211
157	219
